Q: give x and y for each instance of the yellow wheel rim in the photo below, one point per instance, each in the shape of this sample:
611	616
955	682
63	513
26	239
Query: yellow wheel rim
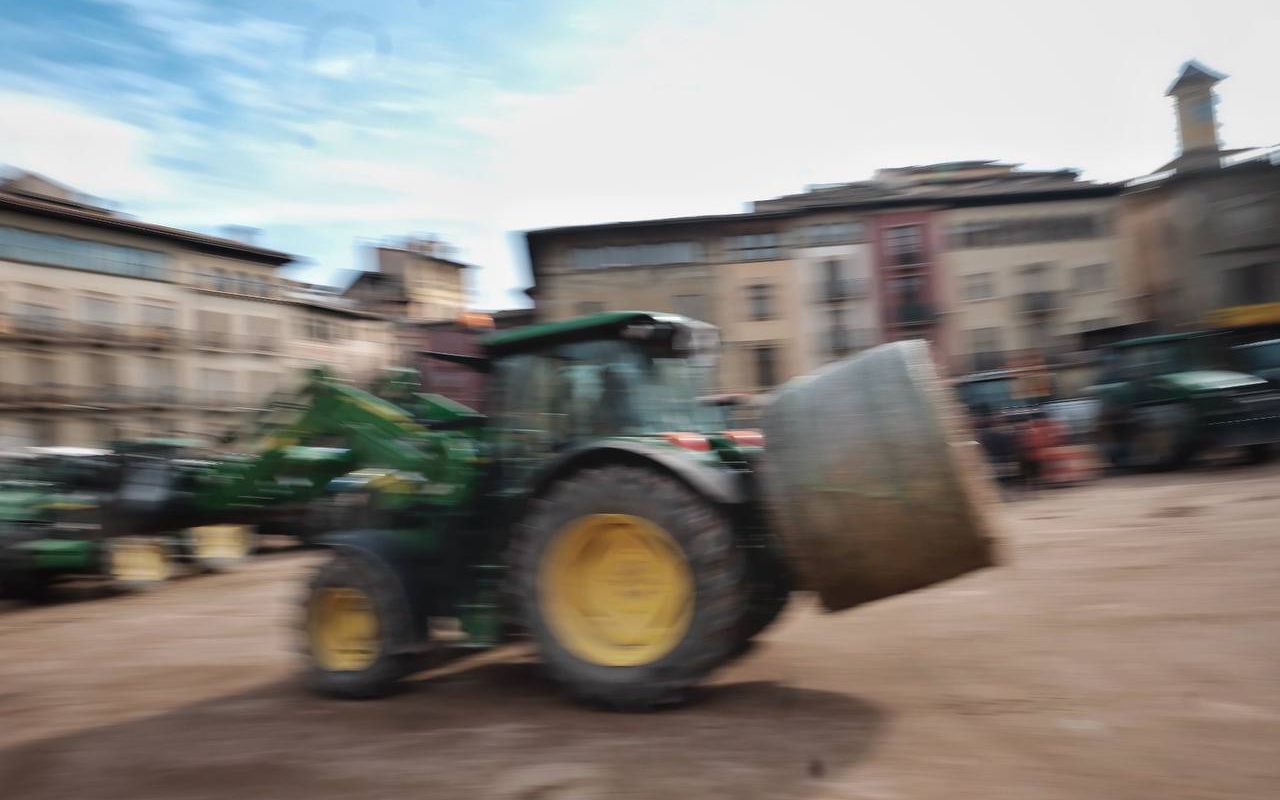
344	629
616	590
139	561
220	542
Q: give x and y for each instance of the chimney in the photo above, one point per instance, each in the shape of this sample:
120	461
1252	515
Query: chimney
1195	101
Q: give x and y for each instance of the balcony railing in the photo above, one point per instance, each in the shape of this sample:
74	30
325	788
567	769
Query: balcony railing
262	344
216	340
35	325
1037	302
984	362
835	291
906	259
156	335
914	314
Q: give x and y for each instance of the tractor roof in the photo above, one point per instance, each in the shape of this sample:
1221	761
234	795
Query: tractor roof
593	326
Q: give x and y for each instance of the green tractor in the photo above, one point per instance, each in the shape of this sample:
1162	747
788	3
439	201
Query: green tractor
600	509
1163	400
49	526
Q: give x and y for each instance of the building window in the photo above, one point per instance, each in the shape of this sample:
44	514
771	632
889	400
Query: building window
908	293
985	345
156	316
37	317
760	302
1030	230
1090	278
636	255
1243	219
1254	283
66	251
220	281
100	311
103	372
905	245
978	286
693	306
217	383
832	233
44	432
839	337
753	247
42	371
764	360
214	328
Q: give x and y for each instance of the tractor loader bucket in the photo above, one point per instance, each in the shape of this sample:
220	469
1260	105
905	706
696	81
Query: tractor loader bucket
873	480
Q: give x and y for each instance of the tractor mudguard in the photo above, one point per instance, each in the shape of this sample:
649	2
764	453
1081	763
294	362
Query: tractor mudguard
717	484
387	550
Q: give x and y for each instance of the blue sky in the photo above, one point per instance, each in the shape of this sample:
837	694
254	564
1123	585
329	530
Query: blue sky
327	123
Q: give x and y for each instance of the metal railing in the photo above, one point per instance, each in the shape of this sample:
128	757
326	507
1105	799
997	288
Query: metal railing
914	314
835	291
1037	302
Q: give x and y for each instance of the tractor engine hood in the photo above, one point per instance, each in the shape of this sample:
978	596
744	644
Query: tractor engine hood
1210	380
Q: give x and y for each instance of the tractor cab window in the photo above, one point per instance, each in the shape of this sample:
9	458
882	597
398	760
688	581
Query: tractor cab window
569	395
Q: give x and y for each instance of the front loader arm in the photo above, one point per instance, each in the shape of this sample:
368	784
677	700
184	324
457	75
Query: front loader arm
375	432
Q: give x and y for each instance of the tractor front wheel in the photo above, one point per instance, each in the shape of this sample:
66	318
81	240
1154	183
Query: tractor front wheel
353	622
630	585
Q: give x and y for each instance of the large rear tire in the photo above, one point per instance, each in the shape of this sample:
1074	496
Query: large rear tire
770	588
353	623
630	585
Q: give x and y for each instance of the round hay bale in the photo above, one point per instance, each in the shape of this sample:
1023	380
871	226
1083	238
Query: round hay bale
873	479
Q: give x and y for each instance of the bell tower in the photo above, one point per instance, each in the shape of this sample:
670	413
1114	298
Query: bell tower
1195	102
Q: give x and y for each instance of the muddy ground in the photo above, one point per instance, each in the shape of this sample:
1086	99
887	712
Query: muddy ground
1130	649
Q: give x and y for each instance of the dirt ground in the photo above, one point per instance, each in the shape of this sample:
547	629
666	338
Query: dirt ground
1129	649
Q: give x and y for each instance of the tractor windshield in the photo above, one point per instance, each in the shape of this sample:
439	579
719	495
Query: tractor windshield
613	388
554	399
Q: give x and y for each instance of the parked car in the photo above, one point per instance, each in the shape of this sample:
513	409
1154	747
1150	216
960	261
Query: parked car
1165	399
1261	359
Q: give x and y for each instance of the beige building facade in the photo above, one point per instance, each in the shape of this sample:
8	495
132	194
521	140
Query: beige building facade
111	327
981	258
413	279
353	344
1031	277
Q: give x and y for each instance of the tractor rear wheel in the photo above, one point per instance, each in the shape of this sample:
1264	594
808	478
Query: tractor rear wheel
630	584
352	622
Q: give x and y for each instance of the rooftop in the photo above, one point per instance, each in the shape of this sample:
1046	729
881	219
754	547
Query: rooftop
1193	73
36	195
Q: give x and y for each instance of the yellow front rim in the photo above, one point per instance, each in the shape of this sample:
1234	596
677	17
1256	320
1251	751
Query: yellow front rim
139	561
220	542
344	629
616	590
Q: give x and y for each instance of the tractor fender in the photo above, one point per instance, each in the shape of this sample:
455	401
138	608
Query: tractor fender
717	484
385	550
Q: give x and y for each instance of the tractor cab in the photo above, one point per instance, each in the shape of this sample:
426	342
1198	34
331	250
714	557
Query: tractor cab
557	388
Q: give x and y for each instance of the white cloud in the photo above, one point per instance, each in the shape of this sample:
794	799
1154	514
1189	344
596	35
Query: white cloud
76	146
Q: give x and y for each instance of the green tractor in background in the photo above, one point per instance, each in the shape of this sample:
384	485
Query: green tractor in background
48	518
1165	399
600	509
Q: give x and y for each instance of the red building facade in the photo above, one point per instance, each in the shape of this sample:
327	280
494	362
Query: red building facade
907	245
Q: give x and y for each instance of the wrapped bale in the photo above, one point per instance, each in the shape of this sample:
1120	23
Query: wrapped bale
873	480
